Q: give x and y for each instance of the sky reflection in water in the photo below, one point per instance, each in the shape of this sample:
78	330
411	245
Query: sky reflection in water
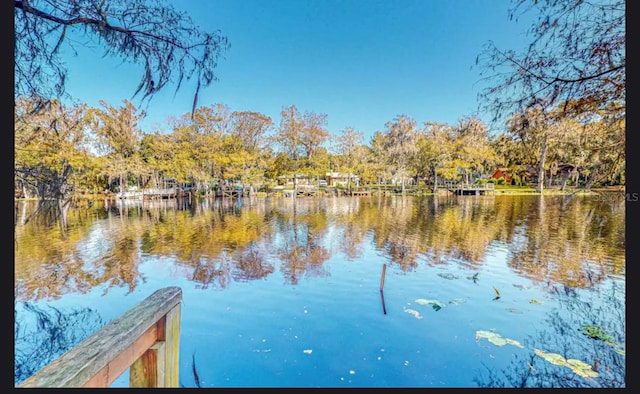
284	293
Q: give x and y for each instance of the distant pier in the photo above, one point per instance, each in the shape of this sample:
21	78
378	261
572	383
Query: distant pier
472	190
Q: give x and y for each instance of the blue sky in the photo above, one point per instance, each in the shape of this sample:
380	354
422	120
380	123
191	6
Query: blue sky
361	62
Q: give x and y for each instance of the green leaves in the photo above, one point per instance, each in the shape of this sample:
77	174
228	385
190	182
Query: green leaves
595	332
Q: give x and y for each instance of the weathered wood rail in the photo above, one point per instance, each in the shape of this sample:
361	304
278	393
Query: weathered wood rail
145	339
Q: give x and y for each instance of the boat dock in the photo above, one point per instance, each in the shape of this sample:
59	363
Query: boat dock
472	190
150	194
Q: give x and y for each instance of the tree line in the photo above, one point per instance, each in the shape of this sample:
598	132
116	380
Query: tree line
561	100
62	150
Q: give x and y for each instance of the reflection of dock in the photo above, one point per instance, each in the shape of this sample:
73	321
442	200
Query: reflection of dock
155	194
361	191
302	191
149	194
472	190
230	191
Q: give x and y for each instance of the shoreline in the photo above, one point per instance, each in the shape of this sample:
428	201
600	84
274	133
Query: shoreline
418	193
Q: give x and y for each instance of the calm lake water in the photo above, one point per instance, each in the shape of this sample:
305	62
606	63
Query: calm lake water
479	291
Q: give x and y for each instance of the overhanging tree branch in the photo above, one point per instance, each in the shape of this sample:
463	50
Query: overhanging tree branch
165	41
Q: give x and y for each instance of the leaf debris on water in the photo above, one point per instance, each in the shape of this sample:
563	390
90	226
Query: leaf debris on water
497	293
437	305
496	338
578	367
413	312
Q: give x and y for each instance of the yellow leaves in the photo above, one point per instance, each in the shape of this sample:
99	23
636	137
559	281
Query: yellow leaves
496	339
578	367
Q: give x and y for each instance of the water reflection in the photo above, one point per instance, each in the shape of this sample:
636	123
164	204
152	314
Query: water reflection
604	309
571	247
44	333
573	241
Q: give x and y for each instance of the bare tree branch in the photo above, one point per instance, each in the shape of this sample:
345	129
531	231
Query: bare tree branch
165	41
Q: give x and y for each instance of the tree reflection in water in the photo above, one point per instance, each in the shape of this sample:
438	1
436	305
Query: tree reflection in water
569	247
605	309
574	241
44	333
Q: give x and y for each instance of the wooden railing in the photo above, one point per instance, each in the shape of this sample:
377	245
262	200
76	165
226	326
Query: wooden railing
146	339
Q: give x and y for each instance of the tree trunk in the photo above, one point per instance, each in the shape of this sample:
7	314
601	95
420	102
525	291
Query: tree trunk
564	181
590	180
540	186
435	181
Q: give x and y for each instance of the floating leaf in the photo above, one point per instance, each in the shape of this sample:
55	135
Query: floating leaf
513	342
522	287
437	305
484	334
620	351
596	332
496	338
514	310
413	312
532	301
457	301
578	367
447	276
497	293
553	358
